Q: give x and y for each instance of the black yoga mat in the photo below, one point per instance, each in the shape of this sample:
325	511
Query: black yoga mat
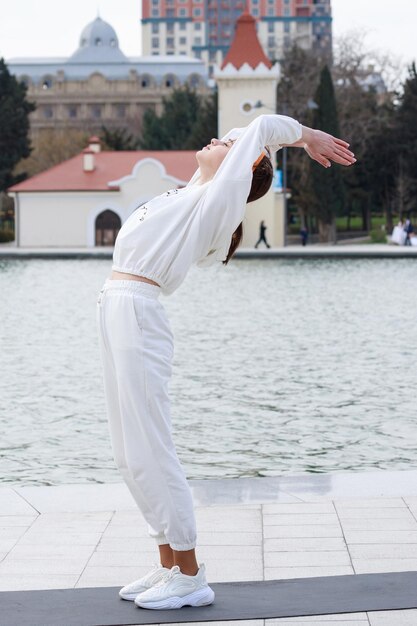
101	606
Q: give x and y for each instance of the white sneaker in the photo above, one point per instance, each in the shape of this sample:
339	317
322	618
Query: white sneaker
176	589
129	592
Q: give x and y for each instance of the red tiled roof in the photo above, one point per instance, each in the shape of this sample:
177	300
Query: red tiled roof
109	166
245	47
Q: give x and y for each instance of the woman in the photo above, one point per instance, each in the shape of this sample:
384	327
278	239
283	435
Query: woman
200	223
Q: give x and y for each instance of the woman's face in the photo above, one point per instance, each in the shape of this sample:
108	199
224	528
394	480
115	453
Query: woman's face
212	155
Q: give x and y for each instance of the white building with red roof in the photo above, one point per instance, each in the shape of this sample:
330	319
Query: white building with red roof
84	200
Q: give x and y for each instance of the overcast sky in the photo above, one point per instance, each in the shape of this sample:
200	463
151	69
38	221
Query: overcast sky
52	28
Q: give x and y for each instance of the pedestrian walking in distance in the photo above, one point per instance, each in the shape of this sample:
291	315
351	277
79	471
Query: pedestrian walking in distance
262	229
200	224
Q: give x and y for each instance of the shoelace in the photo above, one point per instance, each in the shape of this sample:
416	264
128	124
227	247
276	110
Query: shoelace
168	576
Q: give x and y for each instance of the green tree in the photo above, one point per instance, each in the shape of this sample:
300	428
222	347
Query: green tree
181	125
379	161
406	134
205	126
14	126
118	139
300	74
327	183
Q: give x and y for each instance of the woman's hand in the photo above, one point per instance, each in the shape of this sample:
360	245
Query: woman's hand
324	148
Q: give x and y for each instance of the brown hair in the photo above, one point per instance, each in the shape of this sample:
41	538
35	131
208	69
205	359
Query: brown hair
261	182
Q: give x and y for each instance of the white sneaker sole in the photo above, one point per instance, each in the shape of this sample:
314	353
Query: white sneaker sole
130	596
201	597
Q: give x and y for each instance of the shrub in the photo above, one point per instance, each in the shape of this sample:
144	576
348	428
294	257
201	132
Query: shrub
378	235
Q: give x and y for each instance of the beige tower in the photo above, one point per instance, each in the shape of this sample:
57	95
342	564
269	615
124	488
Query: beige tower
247	83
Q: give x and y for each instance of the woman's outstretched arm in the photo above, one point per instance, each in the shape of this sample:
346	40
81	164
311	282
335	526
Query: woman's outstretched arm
324	148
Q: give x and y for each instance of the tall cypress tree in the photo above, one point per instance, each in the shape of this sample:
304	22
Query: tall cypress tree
406	131
327	183
14	126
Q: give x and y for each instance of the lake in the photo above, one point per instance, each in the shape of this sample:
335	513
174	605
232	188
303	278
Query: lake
281	366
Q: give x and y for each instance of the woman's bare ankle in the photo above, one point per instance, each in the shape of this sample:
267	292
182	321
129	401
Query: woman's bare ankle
166	555
186	561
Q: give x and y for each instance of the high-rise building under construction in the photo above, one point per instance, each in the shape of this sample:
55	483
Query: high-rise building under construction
205	28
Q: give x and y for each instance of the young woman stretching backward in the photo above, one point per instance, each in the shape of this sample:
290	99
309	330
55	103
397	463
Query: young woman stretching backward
198	224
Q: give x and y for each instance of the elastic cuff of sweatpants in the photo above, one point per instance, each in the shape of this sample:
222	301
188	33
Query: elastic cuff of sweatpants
180	547
161	541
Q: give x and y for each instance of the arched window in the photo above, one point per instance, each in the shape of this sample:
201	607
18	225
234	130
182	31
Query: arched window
107	225
169	80
97	41
145	81
47	82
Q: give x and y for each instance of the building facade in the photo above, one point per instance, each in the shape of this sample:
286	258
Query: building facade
83	202
98	85
205	28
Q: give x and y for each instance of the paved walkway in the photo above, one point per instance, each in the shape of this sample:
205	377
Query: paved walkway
341	250
248	529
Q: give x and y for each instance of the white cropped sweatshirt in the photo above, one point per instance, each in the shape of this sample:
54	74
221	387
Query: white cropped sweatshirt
162	238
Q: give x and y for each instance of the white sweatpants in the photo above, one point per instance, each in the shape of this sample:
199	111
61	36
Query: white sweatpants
136	347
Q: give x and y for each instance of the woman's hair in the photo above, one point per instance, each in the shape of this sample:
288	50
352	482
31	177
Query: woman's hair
262	178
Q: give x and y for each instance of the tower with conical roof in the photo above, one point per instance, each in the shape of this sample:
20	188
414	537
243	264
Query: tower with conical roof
245	78
247	83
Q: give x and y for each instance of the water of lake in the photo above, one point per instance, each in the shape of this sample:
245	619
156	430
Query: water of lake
281	366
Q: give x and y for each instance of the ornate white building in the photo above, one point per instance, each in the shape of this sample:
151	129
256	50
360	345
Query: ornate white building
98	85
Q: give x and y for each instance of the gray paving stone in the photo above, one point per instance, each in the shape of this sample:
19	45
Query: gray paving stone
11	503
307	559
206	538
56	538
231	524
364	503
380	513
12	533
381	536
275	573
249	622
100	576
122	559
393	618
379	524
298	508
310	622
230	553
316	620
349	617
47	566
121	531
310	530
304	544
369	566
228	571
45	551
383	551
80	498
120	544
15	582
300	520
16	520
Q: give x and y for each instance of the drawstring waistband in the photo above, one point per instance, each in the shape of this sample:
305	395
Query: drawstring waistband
132	286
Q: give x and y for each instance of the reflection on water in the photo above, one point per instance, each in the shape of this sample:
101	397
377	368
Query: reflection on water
281	366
